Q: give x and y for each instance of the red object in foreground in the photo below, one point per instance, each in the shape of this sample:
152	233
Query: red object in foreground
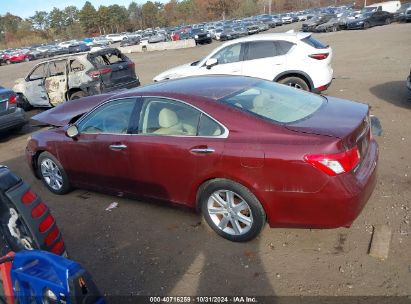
5	269
309	160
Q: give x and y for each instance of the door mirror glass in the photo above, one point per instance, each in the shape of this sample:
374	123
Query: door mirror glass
211	62
72	131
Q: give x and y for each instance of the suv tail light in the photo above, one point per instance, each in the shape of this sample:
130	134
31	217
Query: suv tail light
12	99
131	64
97	73
321	56
335	164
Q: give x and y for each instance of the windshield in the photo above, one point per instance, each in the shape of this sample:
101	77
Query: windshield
275	102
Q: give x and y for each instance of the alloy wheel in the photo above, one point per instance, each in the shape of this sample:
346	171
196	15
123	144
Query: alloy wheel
51	174
294	85
230	212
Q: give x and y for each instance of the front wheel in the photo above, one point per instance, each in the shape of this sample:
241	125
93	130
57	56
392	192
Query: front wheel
387	21
366	25
231	210
53	174
295	82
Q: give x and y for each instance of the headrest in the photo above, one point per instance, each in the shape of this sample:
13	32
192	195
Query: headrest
167	118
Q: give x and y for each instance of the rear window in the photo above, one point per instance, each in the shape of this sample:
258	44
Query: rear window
108	58
310	40
275	102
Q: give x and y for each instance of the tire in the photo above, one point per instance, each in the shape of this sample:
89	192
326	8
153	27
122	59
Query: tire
295	82
53	174
23	102
27	59
26	241
387	21
77	95
366	25
8	61
230	220
334	28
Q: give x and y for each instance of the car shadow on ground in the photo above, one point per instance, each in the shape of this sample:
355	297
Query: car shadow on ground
395	92
140	248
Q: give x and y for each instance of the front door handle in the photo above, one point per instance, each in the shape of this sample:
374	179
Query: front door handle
118	147
202	150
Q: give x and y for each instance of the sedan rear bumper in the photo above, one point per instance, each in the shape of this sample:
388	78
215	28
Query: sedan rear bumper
12	120
337	204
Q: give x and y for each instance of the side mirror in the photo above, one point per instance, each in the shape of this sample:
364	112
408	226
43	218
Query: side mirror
72	131
211	62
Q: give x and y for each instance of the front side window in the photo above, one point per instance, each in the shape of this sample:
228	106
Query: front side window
229	54
276	103
38	73
110	118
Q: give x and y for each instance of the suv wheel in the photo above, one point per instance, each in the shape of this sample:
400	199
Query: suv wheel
295	82
231	210
77	95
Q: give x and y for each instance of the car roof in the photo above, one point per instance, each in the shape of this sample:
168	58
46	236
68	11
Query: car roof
207	86
289	36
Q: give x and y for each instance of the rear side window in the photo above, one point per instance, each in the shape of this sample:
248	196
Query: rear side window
310	40
283	47
261	49
209	127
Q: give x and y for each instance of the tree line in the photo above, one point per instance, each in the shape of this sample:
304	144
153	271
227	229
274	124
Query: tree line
73	23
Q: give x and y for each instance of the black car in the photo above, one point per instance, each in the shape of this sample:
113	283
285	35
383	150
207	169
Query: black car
369	19
311	25
11	117
77	48
200	36
128	41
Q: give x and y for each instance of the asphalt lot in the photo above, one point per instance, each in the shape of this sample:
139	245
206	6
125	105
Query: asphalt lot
142	248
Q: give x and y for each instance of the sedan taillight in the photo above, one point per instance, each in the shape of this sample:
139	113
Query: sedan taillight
321	56
12	99
335	164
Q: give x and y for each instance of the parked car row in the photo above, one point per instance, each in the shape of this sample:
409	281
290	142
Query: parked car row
373	15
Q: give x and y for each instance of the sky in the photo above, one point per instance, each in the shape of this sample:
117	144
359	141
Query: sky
26	8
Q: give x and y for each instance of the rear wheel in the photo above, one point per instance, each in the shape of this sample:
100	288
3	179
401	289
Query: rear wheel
295	82
77	95
387	21
53	174
8	61
334	28
231	210
366	25
23	103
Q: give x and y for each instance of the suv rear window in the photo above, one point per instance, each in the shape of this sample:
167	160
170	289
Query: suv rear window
275	102
310	40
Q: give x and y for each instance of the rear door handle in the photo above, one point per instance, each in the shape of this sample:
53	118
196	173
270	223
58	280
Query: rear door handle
118	147
202	150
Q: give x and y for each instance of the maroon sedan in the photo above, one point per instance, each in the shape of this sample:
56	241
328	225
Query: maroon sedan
242	150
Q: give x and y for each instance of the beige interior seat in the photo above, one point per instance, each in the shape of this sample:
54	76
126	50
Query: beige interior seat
171	125
258	104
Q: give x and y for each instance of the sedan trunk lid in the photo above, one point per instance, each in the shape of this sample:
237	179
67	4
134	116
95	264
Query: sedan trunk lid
337	118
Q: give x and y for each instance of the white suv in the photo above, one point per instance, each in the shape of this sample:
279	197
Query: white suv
295	59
